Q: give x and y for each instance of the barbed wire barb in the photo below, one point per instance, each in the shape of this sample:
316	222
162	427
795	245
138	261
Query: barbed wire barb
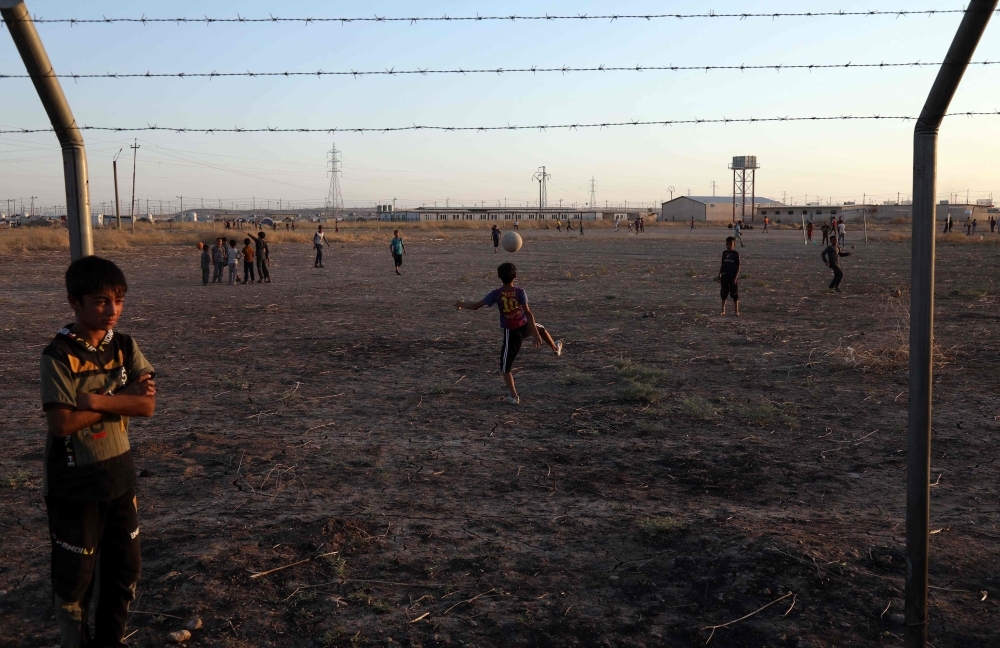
507	127
344	20
534	69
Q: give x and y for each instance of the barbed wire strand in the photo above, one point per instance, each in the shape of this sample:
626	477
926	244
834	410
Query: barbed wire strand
497	18
481	129
565	69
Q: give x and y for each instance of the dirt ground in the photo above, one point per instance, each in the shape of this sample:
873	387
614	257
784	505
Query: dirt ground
672	472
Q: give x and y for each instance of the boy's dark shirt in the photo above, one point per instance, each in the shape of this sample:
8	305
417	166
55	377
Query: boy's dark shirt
94	464
831	255
206	259
261	247
730	264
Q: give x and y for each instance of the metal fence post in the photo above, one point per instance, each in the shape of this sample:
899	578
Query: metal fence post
918	440
36	61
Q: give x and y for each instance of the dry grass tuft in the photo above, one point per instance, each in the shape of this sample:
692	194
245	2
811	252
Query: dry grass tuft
698	408
885	347
660	530
39	239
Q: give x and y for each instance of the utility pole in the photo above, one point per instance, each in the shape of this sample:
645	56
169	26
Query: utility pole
542	177
593	192
135	153
713	188
181	215
33	205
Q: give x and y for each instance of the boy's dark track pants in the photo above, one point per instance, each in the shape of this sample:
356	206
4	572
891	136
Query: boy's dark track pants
94	542
838	275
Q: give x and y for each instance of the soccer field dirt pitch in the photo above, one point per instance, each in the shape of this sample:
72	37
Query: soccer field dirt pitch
672	472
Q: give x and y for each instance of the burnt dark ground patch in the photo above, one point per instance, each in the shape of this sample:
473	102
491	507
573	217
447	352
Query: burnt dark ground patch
400	430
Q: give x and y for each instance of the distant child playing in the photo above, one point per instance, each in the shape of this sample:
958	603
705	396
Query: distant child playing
219	259
232	257
248	255
729	275
319	240
831	257
517	322
495	233
93	379
263	256
398	250
206	263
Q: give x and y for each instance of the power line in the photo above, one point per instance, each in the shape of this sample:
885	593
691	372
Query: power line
206	20
509	127
565	69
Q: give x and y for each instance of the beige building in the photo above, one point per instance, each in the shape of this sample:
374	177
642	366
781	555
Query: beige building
707	209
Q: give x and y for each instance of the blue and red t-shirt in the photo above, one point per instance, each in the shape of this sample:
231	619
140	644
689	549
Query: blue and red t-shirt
511	302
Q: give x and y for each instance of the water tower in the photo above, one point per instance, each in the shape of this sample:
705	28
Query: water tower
744	176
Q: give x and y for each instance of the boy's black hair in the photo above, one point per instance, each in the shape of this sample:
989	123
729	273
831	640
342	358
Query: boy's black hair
260	235
232	242
730	239
507	272
246	241
91	275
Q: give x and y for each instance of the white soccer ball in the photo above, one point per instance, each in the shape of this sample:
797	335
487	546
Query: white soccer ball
511	242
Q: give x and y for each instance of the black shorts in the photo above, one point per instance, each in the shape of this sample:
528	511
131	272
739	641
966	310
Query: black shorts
512	339
398	258
730	288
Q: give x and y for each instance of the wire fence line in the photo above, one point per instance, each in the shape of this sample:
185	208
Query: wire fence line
565	69
145	20
509	127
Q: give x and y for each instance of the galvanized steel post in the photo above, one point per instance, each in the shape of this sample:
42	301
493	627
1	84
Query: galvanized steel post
36	61
918	441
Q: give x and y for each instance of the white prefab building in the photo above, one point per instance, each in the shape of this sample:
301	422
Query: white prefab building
494	214
856	213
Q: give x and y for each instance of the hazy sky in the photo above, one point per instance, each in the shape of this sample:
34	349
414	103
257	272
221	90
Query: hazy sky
828	160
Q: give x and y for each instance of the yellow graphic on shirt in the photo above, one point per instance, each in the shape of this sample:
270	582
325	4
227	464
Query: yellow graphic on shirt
512	309
79	365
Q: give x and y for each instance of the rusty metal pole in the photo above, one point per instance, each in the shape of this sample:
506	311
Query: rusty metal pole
918	440
38	66
118	202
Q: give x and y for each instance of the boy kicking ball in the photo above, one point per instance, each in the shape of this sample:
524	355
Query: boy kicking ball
517	322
